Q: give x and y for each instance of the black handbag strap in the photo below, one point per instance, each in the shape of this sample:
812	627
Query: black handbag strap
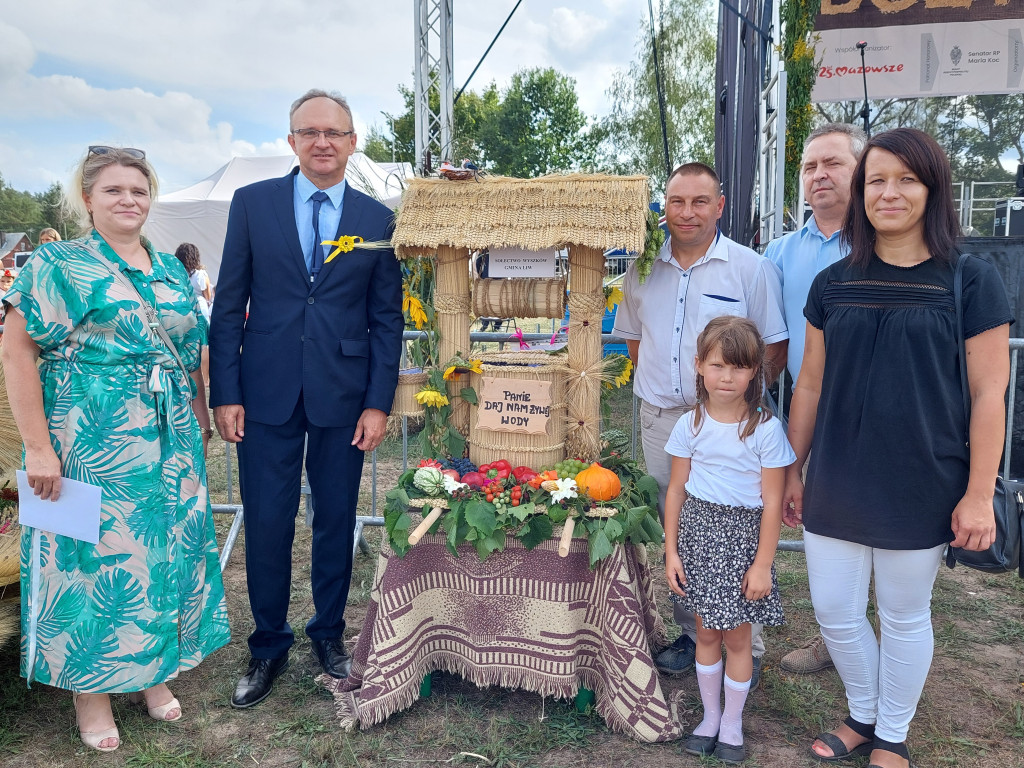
958	298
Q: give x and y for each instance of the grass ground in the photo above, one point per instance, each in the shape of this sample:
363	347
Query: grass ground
971	715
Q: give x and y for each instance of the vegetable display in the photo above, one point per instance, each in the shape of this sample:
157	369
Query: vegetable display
610	501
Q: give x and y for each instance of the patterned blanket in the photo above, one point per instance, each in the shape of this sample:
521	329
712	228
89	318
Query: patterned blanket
522	619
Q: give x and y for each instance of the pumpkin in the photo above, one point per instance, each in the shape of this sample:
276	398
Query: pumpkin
599	483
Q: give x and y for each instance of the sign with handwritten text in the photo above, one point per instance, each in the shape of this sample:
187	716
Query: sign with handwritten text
514	405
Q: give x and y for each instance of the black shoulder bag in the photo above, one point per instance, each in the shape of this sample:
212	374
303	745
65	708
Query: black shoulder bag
1008	502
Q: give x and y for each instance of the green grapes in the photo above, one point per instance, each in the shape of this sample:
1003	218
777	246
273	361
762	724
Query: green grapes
502	501
570	467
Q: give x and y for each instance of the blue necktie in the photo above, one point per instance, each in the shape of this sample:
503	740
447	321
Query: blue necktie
316	259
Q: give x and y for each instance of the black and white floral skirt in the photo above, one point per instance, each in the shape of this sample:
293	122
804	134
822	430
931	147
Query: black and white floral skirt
717	544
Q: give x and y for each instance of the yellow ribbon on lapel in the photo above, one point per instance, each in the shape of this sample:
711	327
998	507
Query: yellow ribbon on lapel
343	244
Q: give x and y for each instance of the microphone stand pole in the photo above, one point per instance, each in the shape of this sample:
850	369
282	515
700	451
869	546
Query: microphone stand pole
865	113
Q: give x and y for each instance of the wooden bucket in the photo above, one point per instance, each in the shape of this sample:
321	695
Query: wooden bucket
410	381
532	450
520	297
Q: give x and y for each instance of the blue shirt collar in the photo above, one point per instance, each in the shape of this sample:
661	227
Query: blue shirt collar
307	189
812	228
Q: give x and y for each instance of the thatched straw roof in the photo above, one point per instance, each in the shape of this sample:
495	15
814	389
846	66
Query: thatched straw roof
595	210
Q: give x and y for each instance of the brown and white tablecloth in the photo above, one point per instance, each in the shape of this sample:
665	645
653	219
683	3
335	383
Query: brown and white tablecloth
521	619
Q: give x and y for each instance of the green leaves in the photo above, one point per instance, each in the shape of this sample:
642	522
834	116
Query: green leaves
469	395
481	516
600	546
537	530
396	518
487	544
474	520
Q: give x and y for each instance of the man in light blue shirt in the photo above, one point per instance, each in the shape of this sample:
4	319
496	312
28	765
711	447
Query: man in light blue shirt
830	156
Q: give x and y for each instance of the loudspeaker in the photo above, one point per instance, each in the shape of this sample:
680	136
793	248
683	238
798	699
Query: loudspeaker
1009	218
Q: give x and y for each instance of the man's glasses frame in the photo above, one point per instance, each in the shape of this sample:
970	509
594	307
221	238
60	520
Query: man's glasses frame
312	134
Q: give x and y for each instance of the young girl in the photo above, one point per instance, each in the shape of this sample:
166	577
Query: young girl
724	508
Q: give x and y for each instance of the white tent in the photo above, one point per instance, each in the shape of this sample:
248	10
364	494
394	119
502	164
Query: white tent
199	214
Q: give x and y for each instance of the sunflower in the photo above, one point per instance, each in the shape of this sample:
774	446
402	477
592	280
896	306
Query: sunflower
454	371
414	307
431	398
612	296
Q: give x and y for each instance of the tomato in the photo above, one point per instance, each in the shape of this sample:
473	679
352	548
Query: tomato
490	497
515	502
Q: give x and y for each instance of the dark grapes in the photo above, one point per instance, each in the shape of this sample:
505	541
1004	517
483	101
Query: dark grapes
461	464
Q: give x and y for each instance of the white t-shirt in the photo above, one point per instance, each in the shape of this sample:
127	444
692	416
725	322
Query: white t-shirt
723	468
200	282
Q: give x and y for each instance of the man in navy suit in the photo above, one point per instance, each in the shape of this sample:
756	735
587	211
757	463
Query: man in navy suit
315	359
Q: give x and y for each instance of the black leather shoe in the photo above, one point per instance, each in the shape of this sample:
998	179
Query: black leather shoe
333	657
258	681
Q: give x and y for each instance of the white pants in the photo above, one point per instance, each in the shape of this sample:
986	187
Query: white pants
657	424
883	680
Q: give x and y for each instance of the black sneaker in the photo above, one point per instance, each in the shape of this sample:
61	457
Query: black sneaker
755	676
678	657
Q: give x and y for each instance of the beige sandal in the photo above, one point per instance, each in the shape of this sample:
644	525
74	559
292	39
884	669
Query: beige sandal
157	713
94	739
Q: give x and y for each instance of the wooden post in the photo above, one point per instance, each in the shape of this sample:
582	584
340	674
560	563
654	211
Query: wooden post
583	388
451	307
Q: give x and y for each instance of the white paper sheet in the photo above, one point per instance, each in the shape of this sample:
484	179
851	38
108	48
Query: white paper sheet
76	513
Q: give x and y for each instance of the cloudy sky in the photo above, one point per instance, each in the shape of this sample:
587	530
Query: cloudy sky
195	83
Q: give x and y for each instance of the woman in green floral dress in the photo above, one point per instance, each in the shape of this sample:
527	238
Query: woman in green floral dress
111	405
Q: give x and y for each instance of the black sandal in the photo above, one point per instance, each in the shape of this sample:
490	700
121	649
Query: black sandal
897	748
839	749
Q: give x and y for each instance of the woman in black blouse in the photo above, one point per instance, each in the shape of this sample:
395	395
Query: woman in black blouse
890	481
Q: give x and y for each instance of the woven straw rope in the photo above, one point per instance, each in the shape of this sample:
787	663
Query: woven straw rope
521	297
451	304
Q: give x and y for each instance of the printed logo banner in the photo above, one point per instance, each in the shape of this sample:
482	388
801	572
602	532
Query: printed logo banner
918	48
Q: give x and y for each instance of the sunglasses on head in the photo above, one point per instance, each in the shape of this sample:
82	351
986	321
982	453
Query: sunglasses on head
99	149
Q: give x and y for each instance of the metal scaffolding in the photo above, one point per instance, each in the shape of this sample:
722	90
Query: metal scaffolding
434	83
772	121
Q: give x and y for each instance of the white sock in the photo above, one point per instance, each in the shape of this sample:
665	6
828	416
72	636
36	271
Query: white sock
731	729
709	680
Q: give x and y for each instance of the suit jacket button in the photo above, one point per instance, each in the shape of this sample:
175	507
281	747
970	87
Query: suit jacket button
302	338
310	300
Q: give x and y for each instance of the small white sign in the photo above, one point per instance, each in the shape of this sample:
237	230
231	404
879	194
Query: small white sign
76	513
516	262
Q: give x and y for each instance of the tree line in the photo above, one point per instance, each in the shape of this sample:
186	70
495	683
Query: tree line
534	124
32	213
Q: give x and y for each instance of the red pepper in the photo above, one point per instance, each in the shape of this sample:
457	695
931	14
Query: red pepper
523	474
501	464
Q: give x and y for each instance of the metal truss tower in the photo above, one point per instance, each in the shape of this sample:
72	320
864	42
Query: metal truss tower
433	83
772	121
